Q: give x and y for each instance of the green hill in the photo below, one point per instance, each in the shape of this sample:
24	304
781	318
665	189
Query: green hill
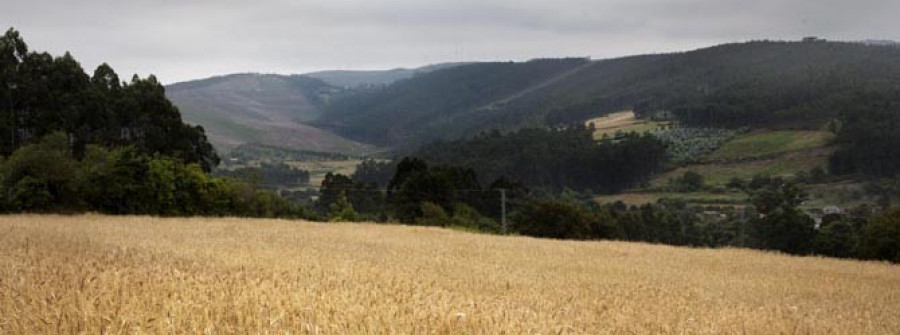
444	103
757	84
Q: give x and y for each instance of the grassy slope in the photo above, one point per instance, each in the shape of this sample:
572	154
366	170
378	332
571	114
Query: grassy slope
768	143
91	274
775	153
782	166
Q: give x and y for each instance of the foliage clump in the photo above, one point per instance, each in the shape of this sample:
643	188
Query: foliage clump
46	177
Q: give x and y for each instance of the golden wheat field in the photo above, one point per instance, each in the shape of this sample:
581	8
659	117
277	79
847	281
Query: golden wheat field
102	274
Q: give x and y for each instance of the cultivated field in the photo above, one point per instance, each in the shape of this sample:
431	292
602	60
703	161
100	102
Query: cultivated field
621	121
96	274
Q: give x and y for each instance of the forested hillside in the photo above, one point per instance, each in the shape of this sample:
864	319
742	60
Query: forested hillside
755	84
439	104
555	159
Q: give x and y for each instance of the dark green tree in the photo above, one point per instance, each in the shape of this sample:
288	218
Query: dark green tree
40	95
43	176
880	237
554	219
781	226
836	238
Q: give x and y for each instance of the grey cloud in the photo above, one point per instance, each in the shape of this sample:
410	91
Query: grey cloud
181	40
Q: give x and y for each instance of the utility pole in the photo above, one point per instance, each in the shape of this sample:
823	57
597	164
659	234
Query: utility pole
503	210
743	223
12	125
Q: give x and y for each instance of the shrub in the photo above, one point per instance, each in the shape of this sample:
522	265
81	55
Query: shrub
880	237
690	181
45	177
467	217
432	215
342	210
736	183
836	238
555	219
42	176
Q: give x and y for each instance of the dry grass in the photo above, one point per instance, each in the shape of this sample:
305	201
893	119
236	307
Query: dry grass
624	121
94	274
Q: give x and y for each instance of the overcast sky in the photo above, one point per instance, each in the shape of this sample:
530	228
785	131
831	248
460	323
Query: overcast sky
181	39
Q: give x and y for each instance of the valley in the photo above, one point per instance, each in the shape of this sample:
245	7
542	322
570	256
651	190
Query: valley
390	113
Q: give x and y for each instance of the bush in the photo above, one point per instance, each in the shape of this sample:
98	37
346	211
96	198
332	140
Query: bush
880	237
836	238
45	177
42	176
342	210
432	215
554	219
690	181
31	194
736	183
465	216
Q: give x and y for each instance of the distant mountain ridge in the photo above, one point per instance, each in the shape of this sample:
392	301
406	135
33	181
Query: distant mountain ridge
756	84
764	84
275	110
266	109
355	78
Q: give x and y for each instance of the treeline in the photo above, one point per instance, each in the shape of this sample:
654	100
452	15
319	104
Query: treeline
774	223
47	177
867	135
270	175
448	196
555	159
415	193
41	94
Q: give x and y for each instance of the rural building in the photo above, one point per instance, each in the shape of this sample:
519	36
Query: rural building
832	210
